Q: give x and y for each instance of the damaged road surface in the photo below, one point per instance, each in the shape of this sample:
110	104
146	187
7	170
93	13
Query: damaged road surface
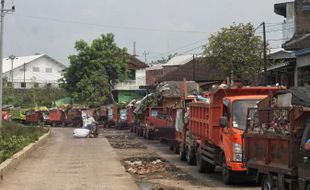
155	167
66	163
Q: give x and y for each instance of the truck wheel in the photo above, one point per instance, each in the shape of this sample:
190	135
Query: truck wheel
227	174
182	155
190	158
266	184
201	164
176	148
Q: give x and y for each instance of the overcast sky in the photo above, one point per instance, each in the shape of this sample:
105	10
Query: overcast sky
159	27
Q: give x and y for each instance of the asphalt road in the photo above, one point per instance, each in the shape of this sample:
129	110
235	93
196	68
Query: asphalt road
66	163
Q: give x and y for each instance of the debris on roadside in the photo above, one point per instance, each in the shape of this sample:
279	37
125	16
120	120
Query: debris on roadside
124	142
145	166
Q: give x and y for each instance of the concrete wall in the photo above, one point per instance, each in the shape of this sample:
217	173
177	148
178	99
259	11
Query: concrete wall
133	84
302	10
288	26
303	61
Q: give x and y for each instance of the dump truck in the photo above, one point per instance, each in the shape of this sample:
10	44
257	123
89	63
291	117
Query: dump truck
36	115
160	124
277	141
217	127
56	117
18	114
74	118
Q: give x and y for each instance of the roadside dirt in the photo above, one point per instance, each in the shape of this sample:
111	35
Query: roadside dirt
150	171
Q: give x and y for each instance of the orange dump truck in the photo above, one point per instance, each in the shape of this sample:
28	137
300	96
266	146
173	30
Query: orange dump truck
216	128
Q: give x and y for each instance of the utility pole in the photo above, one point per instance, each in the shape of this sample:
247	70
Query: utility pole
134	49
194	67
12	58
2	13
265	54
24	76
145	55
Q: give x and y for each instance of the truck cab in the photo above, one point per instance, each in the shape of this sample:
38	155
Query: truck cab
233	124
218	126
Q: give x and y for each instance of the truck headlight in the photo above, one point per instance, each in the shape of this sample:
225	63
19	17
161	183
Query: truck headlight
237	152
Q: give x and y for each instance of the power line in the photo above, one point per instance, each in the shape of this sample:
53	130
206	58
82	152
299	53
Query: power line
110	26
179	48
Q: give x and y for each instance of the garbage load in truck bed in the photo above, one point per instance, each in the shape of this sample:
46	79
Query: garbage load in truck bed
276	131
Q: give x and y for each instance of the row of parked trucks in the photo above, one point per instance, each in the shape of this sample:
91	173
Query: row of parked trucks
246	131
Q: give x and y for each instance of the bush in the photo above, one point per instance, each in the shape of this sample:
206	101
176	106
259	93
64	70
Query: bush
15	137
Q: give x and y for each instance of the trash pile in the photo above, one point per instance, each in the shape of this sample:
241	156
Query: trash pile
273	115
145	166
169	89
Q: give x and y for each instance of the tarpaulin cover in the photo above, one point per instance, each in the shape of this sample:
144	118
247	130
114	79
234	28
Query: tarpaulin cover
300	95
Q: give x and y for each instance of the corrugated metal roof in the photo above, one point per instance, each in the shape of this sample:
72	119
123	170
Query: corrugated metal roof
19	61
155	67
179	60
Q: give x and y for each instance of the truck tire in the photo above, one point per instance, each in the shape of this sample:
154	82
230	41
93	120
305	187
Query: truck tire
227	174
182	152
190	158
266	184
176	148
182	155
203	166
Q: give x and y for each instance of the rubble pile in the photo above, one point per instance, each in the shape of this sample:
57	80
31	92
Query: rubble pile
145	166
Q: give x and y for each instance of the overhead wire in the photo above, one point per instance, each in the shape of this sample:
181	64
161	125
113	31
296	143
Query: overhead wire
109	26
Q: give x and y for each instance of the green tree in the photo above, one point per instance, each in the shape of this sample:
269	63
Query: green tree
95	70
236	49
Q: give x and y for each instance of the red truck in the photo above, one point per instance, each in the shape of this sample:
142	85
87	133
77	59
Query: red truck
74	118
216	129
277	142
160	124
56	117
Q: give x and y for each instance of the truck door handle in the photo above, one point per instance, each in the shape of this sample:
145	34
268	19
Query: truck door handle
305	159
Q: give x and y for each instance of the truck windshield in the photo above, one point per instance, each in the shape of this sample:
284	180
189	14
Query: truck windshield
239	110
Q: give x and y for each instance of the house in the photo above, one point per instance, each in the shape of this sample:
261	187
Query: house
130	89
35	70
196	69
282	69
298	14
176	62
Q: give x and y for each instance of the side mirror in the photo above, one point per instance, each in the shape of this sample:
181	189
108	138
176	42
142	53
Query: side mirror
223	122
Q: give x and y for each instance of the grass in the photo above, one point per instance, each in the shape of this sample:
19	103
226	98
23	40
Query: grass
14	137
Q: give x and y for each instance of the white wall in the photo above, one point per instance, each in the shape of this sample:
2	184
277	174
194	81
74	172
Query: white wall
133	84
288	25
42	77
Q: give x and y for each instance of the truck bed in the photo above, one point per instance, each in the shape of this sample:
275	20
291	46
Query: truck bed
270	153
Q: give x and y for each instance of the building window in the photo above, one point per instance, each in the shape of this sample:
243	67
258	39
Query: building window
22	70
23	85
35	69
131	75
304	76
49	70
48	85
